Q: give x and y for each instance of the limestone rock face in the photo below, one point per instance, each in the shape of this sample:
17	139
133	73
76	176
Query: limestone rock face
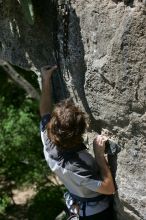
107	77
108	66
23	45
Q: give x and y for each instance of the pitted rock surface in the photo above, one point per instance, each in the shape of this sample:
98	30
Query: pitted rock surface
107	77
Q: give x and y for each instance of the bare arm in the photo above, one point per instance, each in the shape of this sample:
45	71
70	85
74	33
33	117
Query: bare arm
46	97
107	187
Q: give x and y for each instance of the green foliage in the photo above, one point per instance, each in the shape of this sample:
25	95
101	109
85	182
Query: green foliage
21	156
28	11
21	152
5	201
49	199
20	144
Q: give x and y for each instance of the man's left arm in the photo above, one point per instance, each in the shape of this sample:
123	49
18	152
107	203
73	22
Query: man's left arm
46	97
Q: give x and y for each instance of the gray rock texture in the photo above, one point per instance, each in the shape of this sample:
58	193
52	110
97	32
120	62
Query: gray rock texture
106	76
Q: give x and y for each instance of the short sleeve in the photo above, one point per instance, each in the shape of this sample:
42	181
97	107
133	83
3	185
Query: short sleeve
44	121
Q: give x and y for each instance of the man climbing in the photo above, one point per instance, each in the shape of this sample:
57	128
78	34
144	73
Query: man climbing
88	180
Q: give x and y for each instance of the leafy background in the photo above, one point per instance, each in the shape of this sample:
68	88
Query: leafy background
21	155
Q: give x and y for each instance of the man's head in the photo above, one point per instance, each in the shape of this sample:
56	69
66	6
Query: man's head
67	125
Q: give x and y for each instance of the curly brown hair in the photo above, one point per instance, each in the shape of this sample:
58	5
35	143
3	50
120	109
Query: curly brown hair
67	125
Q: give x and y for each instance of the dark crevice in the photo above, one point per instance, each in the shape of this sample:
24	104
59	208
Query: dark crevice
129	2
129	207
1	47
126	2
112	84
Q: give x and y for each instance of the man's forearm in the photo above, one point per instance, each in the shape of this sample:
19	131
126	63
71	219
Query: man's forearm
105	172
104	168
46	97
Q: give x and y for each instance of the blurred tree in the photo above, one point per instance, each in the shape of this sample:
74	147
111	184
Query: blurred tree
21	154
20	80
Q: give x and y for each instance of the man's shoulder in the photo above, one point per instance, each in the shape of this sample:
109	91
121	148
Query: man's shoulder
44	121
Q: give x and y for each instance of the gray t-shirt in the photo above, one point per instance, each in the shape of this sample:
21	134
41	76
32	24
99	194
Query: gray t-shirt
78	171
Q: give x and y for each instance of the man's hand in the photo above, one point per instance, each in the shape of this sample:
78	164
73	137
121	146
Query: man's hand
47	72
107	186
99	144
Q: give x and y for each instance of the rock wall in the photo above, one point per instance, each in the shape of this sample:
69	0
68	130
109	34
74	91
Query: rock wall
107	77
108	68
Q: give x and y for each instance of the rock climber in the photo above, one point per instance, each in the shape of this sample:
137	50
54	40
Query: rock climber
88	179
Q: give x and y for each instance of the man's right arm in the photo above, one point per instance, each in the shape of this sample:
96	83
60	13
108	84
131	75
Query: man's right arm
107	186
46	97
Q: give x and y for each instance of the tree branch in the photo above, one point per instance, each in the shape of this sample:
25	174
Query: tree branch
30	90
